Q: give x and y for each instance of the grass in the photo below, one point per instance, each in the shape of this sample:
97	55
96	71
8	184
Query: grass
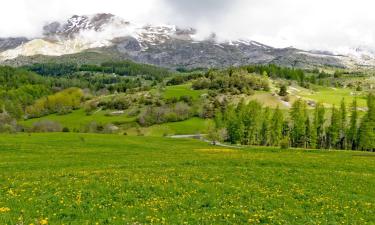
269	100
182	90
191	126
334	96
78	119
112	179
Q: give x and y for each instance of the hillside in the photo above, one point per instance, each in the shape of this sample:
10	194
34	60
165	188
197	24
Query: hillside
249	105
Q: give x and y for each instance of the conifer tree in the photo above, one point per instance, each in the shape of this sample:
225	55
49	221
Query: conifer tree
252	118
298	119
265	129
308	131
334	129
352	140
276	130
343	124
367	129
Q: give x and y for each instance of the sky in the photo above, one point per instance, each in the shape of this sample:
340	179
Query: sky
307	24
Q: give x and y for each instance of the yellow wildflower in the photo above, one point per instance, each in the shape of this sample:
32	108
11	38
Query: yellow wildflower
43	221
4	209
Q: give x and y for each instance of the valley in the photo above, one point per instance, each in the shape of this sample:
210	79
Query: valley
104	120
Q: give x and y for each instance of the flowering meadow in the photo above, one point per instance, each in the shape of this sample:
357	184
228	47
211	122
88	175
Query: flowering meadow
115	179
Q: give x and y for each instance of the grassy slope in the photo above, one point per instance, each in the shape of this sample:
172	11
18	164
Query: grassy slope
109	179
78	119
191	126
333	96
181	90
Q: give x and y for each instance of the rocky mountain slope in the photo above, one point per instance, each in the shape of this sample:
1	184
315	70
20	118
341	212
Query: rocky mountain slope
105	36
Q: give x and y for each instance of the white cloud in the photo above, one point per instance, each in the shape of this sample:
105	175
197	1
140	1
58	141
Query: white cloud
318	24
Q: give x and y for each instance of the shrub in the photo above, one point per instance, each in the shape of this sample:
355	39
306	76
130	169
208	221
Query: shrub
66	130
283	91
284	144
46	126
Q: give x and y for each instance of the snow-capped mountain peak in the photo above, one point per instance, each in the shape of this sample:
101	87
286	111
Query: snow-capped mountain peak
168	45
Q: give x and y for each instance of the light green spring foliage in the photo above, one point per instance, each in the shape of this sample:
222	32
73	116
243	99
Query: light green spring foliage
61	102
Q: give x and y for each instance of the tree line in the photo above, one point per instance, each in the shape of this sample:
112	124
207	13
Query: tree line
122	68
253	124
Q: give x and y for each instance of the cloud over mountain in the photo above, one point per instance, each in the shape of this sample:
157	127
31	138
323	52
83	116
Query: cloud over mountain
329	25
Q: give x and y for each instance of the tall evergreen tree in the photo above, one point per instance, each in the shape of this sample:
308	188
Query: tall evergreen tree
252	118
308	131
352	140
367	129
265	129
333	134
318	125
298	120
234	126
276	131
343	125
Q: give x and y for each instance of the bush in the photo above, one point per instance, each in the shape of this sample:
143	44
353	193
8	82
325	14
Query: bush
46	126
284	144
283	91
66	130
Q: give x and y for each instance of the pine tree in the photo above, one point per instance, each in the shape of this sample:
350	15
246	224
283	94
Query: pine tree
276	132
318	126
265	129
298	119
367	129
343	124
251	117
353	129
234	126
334	129
308	131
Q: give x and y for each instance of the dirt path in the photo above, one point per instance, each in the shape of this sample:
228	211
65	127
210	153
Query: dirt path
201	137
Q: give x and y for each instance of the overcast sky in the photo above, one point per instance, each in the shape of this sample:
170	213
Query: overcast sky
307	24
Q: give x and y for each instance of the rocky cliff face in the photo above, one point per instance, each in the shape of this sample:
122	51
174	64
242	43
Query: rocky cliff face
10	43
162	45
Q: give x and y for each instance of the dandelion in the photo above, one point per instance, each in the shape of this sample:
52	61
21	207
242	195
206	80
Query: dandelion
4	209
43	221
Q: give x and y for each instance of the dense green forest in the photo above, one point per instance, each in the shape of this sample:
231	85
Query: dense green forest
253	124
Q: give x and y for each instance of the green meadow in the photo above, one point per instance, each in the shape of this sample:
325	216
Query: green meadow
334	96
182	90
79	119
73	178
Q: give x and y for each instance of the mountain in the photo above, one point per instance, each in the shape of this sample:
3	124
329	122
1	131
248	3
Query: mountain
10	43
108	37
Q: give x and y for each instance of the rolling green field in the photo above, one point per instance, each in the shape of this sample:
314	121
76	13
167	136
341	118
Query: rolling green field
112	179
334	96
190	126
78	119
182	90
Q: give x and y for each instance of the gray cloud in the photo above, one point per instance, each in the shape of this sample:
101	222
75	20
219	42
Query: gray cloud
318	24
198	10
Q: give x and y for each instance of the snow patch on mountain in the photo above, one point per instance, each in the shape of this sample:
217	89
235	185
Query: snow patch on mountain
80	33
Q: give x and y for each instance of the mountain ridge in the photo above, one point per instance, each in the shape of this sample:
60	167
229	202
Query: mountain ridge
163	45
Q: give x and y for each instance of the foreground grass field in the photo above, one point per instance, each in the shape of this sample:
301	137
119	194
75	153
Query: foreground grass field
112	179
